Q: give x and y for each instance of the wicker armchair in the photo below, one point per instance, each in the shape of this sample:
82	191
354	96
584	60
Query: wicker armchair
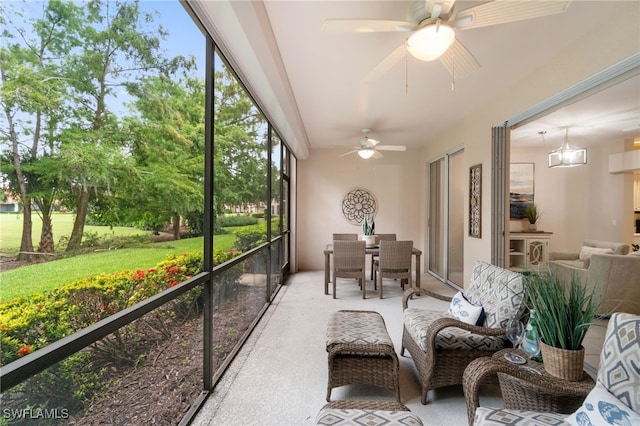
394	262
442	346
617	379
349	262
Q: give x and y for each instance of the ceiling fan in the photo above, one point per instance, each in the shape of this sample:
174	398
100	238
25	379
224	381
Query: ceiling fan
369	147
433	24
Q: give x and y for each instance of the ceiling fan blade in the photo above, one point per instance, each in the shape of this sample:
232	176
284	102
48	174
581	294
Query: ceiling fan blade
348	153
386	64
364	25
376	155
459	61
503	11
391	148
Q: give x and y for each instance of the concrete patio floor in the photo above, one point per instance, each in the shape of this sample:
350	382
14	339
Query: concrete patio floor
280	375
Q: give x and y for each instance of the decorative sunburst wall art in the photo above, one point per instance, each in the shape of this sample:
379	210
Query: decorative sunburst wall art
357	204
475	200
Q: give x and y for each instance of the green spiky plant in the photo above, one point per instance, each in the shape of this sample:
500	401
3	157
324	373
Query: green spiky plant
564	314
368	226
532	213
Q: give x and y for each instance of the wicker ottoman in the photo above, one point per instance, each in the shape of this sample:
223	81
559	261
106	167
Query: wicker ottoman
361	352
366	413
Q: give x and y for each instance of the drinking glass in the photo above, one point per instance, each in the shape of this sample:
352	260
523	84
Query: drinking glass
515	332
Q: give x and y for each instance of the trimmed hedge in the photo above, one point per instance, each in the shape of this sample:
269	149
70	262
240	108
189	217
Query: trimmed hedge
235	220
30	323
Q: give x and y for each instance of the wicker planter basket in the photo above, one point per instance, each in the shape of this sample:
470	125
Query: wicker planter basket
563	363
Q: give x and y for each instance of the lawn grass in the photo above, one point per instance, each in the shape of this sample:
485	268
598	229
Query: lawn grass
62	223
39	277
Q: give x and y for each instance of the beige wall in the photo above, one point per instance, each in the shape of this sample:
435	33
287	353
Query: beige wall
579	203
323	180
600	49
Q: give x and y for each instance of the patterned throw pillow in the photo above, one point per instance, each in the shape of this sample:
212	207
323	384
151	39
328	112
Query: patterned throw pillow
602	408
464	311
499	291
618	370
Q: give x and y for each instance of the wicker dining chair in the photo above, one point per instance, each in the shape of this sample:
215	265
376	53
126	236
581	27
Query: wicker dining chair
349	262
394	262
380	237
347	237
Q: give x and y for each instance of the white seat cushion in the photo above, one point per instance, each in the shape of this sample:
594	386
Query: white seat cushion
417	321
353	416
496	417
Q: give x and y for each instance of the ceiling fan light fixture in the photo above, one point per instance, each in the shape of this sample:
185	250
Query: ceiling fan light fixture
366	153
431	41
567	155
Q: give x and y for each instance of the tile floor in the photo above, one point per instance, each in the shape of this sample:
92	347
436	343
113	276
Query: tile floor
280	376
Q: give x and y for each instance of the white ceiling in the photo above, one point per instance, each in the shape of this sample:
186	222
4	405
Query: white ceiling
413	102
611	115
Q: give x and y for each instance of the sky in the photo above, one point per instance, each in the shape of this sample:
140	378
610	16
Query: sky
185	38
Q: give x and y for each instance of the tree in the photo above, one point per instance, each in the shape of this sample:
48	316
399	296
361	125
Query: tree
31	97
240	164
166	144
117	49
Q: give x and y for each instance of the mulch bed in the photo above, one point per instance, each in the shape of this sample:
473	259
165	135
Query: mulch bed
161	389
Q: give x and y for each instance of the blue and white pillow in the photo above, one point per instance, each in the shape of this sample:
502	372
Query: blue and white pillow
462	310
602	408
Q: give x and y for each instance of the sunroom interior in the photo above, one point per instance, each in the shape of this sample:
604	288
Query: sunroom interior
413	104
310	86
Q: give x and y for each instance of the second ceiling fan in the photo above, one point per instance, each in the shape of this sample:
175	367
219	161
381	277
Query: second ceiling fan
369	147
433	24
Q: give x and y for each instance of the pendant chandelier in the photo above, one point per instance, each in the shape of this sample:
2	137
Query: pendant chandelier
567	155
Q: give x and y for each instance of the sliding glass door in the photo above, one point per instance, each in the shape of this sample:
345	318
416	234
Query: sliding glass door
446	218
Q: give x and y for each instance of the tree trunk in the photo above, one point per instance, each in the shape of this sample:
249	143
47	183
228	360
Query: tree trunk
46	236
176	226
78	224
26	243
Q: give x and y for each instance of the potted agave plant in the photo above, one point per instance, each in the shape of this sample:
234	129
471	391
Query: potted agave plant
532	214
564	316
368	231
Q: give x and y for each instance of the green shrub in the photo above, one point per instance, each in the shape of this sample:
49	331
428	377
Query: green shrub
251	236
30	323
235	220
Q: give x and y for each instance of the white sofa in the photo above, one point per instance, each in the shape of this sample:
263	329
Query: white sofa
610	267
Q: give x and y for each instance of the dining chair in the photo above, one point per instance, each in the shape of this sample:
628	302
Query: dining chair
347	237
349	262
380	237
394	262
